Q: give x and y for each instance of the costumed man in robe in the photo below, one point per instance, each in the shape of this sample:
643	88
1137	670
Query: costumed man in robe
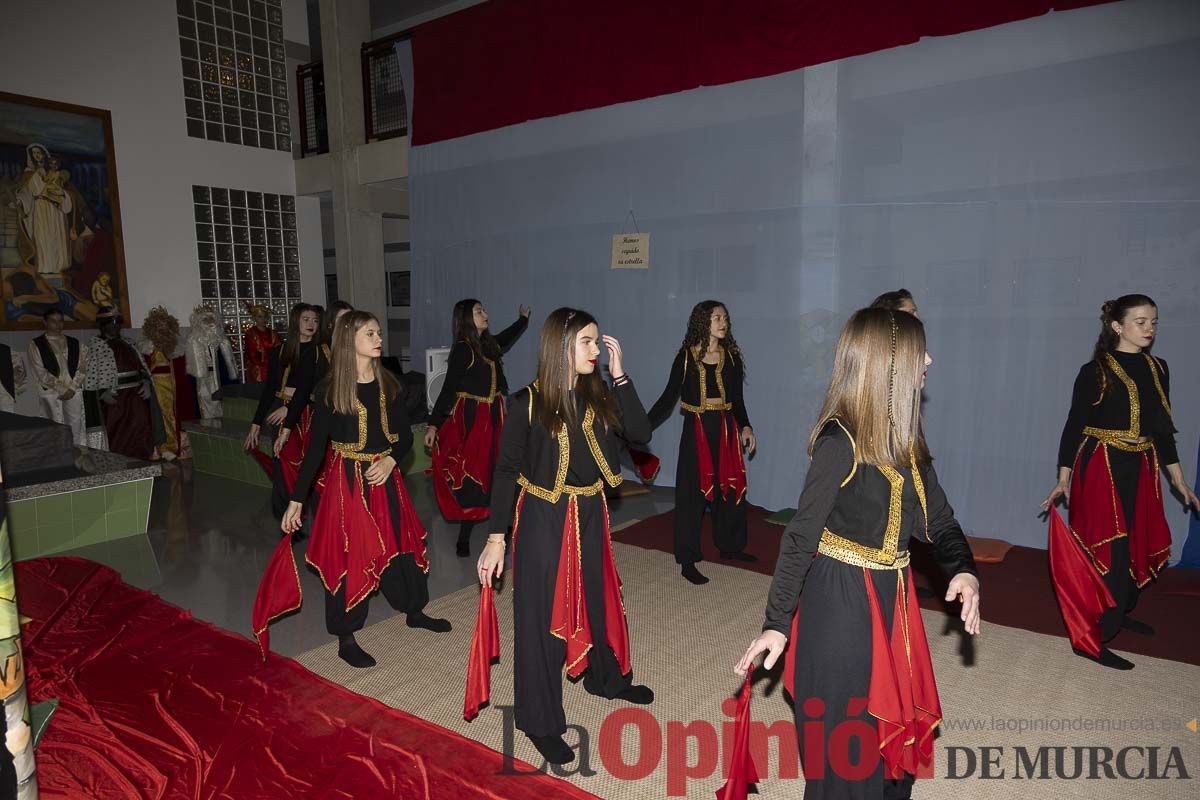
209	360
58	361
259	339
12	378
172	388
120	385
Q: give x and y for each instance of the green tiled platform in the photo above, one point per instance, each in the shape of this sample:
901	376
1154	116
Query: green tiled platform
239	408
51	524
217	453
217	450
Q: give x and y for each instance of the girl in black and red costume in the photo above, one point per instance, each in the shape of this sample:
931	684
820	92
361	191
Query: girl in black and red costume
560	446
706	383
366	535
465	424
1118	434
842	599
290	365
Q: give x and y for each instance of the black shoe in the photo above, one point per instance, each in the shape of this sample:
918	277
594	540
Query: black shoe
739	556
690	572
463	549
638	695
352	654
418	619
1137	626
1107	659
553	749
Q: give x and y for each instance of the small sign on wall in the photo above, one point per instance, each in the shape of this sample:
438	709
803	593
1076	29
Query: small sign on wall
631	251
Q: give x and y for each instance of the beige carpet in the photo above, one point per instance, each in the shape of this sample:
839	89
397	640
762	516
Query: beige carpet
685	641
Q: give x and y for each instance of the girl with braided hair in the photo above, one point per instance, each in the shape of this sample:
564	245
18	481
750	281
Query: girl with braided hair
706	383
842	600
1117	436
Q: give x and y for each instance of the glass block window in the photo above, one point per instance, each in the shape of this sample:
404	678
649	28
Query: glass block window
234	72
248	252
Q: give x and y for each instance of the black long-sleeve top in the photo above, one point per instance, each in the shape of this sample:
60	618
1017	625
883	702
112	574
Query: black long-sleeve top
328	426
528	452
470	373
1129	399
695	383
308	375
280	377
852	500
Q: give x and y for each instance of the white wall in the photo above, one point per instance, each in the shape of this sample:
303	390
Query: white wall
124	57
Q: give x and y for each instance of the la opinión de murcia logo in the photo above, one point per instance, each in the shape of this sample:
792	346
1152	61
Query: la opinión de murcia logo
697	750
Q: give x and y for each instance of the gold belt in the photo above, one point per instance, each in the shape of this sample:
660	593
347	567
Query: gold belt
848	556
478	398
700	409
1105	436
348	451
547	495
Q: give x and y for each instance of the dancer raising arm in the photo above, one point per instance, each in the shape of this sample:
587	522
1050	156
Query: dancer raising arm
468	416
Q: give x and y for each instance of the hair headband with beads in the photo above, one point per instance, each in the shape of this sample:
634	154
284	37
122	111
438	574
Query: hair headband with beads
892	369
567	322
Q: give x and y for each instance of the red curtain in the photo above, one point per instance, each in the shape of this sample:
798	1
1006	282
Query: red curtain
509	61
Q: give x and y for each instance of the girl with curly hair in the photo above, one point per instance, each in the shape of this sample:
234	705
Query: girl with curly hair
706	382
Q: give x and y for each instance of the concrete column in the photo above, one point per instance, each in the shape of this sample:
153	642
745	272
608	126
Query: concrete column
357	231
820	188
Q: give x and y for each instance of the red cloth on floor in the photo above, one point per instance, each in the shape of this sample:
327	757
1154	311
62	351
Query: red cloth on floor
485	647
156	705
742	774
1082	595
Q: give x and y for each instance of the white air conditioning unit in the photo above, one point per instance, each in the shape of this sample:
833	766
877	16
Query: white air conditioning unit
436	361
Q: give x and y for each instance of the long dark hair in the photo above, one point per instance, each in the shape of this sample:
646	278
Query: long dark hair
556	369
291	345
329	317
483	344
699	328
1114	311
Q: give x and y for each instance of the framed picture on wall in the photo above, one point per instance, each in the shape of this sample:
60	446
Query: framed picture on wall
60	215
400	284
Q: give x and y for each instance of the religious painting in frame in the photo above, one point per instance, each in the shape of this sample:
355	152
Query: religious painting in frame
60	215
